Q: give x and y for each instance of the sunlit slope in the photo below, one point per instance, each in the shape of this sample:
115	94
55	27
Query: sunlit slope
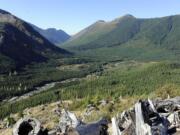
123	37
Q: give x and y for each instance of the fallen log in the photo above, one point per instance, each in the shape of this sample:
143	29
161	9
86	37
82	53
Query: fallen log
157	117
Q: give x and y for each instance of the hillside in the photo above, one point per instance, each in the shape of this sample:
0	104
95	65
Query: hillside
53	35
128	37
131	80
20	44
99	30
120	84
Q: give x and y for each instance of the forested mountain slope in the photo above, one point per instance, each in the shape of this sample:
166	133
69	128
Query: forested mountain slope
130	37
20	44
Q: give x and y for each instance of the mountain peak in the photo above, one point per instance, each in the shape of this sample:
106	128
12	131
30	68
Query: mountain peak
4	12
21	44
56	36
128	15
51	29
6	17
100	21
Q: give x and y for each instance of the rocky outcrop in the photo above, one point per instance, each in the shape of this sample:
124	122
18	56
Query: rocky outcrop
158	117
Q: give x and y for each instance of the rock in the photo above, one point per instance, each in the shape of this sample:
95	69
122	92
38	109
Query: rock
28	126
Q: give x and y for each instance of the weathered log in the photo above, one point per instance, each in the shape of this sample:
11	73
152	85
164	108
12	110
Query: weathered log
157	117
115	128
167	105
28	126
96	128
141	127
70	125
67	120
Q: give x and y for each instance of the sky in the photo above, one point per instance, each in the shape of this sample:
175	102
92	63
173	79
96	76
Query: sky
74	15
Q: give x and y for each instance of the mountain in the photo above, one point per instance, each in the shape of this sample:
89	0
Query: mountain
20	44
129	37
102	30
53	35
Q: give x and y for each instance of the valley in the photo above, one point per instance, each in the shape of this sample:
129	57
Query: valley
107	67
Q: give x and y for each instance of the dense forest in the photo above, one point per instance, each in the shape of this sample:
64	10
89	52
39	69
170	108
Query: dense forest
124	79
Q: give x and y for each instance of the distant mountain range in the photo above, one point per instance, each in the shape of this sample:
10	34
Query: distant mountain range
53	35
124	38
128	37
20	44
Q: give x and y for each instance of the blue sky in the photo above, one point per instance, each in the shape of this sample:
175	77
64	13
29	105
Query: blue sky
74	15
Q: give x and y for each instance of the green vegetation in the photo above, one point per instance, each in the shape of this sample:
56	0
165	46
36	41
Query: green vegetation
124	79
21	45
11	121
112	60
103	34
127	81
129	38
17	83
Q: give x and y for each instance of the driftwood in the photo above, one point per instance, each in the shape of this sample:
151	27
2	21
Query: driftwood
70	125
28	126
96	128
158	117
115	127
67	120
